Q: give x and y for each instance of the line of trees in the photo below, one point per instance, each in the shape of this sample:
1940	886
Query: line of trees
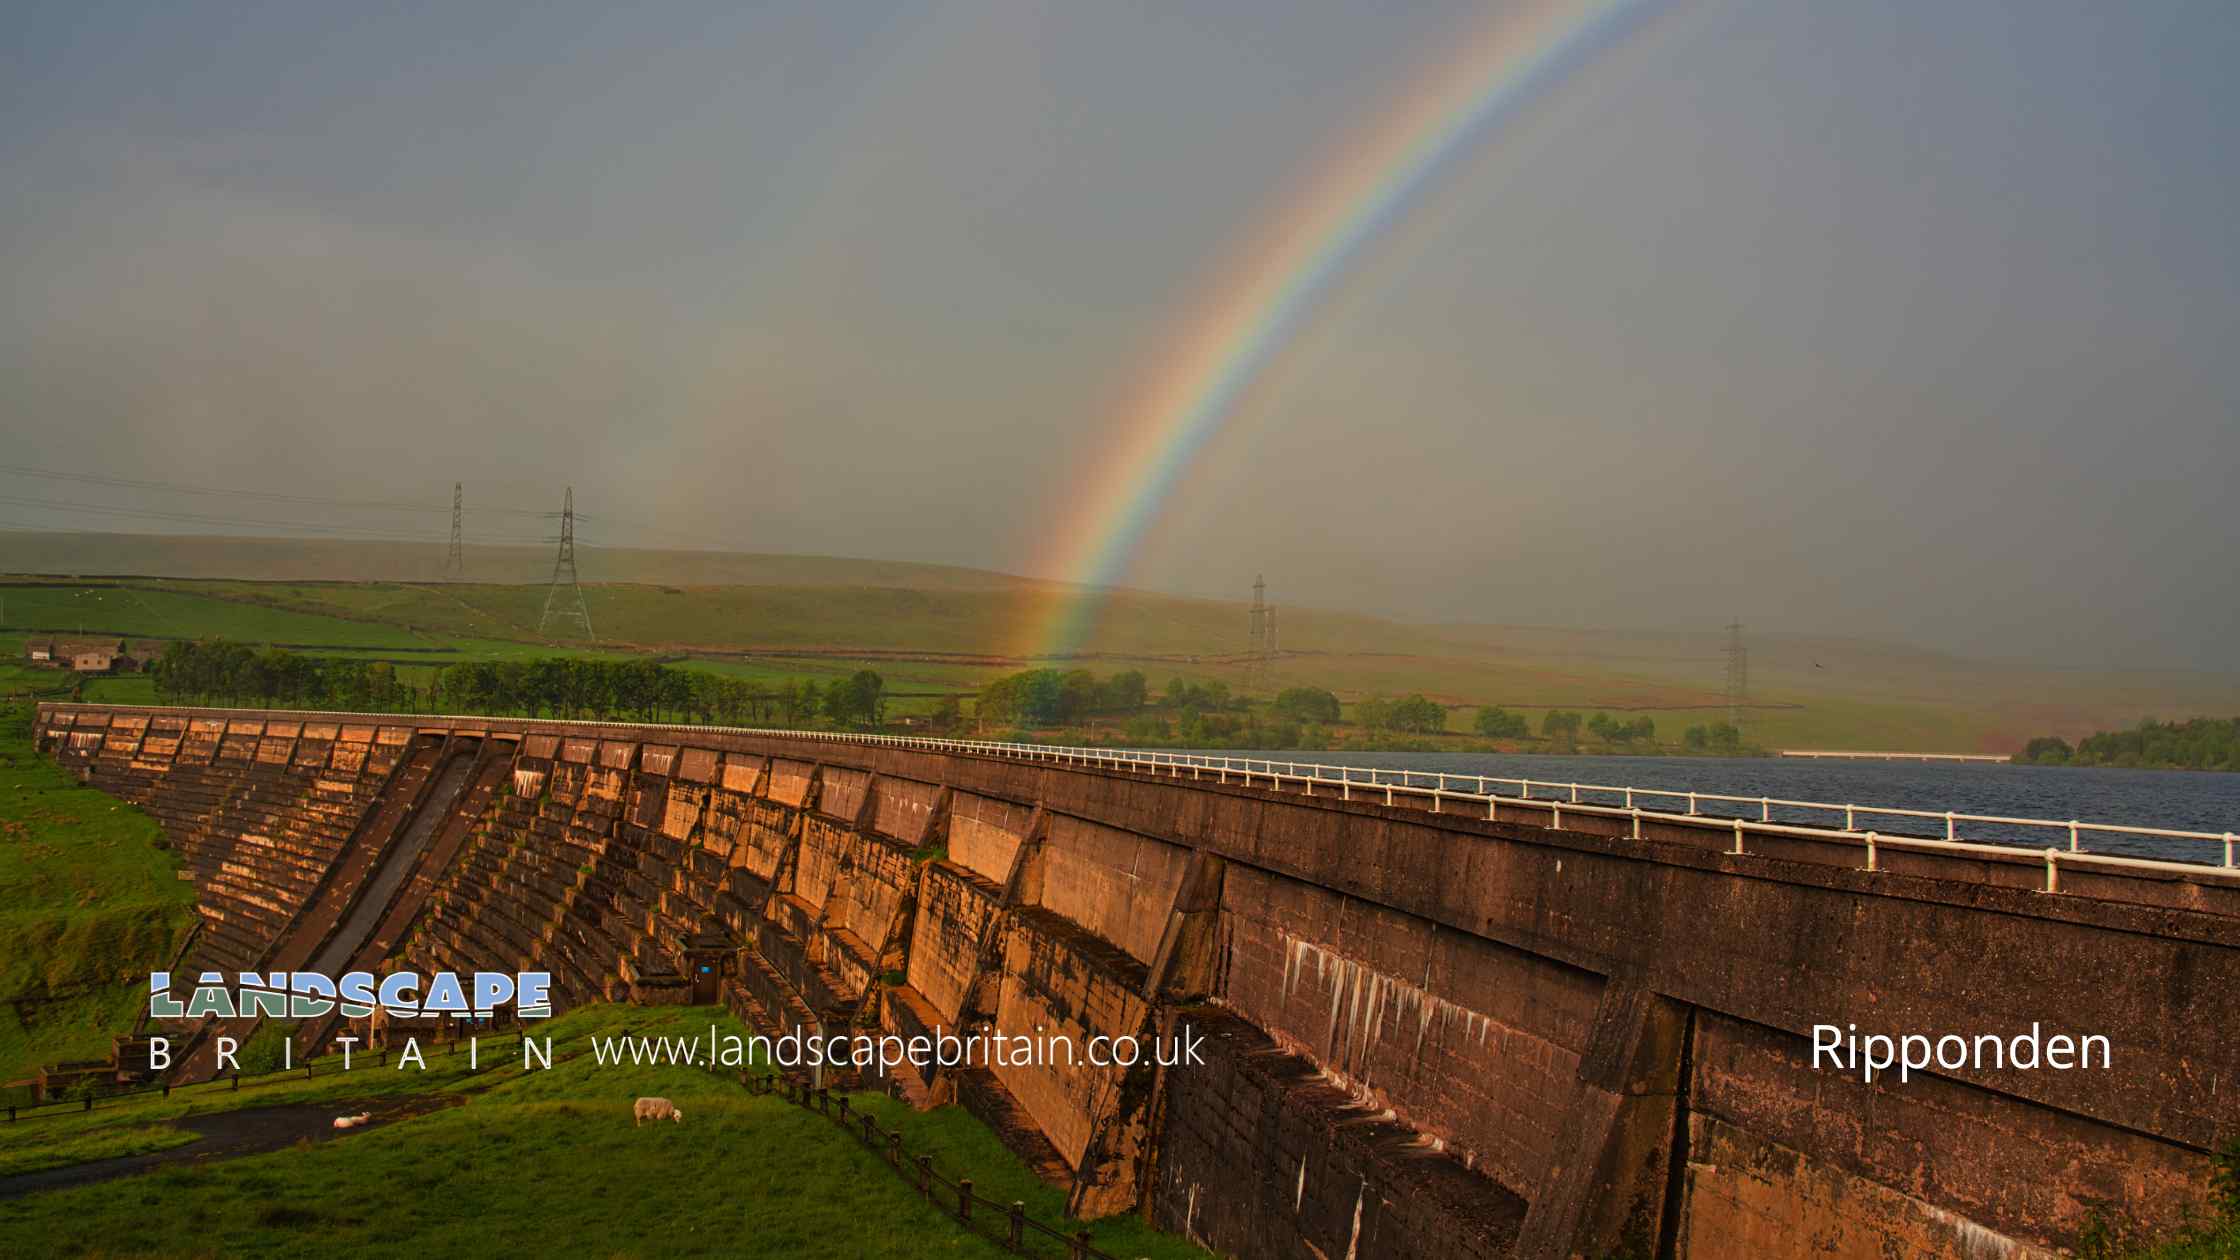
2194	744
218	672
215	671
1208	714
1409	715
1722	738
1051	697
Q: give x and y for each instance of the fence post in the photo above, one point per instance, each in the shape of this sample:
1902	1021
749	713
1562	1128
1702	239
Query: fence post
925	1176
870	1131
1738	835
1018	1235
824	1102
894	1148
237	1082
2230	841
1870	853
843	1109
89	1102
1691	804
1080	1245
2053	873
1636	821
964	1198
1951	826
1765	809
1849	822
166	1085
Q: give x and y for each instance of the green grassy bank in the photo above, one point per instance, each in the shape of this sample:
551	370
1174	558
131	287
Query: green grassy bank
89	904
536	1162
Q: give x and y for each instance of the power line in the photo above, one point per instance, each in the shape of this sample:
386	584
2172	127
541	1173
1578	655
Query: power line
274	496
267	496
199	518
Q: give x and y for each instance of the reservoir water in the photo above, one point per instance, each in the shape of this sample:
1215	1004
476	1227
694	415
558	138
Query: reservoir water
2182	800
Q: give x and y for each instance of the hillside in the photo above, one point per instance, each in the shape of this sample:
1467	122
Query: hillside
72	554
941	630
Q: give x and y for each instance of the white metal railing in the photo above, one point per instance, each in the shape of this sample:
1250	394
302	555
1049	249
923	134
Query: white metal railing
1471	792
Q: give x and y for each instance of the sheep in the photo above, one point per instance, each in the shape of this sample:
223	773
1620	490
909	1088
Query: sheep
656	1110
352	1122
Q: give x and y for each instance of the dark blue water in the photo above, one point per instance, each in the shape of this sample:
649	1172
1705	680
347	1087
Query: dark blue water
2181	800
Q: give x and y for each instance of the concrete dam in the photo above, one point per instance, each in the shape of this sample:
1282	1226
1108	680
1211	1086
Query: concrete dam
1426	1026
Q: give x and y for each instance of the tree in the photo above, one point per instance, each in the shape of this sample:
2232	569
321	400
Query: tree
2049	750
1307	704
1560	724
1495	722
861	698
1079	695
947	715
1374	713
1418	715
1125	692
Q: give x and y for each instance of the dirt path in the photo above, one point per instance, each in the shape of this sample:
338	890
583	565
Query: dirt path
232	1134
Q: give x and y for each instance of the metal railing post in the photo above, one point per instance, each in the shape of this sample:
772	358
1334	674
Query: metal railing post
1871	860
2053	871
1738	836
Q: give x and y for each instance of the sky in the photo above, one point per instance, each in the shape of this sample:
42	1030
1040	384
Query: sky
1905	320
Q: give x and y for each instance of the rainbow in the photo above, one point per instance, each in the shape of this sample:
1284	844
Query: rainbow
1247	318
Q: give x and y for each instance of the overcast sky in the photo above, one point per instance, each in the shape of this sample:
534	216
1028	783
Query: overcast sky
1913	320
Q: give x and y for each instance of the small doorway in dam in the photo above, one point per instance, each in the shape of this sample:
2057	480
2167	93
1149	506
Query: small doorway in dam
707	966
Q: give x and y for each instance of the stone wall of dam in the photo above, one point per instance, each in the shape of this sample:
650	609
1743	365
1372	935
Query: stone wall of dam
1417	1030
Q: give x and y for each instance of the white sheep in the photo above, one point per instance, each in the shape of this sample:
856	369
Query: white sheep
352	1122
656	1110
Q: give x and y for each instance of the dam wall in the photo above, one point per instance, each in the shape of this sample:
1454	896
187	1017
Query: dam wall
1419	1030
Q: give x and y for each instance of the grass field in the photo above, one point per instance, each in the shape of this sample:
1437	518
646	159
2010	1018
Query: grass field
90	906
537	1162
